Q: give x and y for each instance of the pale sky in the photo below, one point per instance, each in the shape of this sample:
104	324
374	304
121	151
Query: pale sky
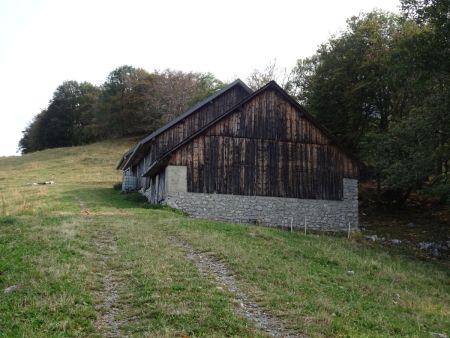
45	42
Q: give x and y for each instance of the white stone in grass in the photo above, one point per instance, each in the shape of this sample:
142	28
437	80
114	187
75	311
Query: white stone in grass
11	288
372	238
438	335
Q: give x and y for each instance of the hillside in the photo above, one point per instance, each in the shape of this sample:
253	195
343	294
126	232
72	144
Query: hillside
78	258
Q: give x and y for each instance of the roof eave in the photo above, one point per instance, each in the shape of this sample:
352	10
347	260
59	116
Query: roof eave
127	162
156	166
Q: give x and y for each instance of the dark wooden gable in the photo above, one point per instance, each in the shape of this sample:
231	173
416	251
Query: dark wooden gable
150	149
267	146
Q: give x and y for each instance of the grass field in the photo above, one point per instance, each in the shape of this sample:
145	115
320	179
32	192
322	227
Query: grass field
78	258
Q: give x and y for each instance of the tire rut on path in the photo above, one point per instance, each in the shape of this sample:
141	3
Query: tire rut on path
211	265
107	311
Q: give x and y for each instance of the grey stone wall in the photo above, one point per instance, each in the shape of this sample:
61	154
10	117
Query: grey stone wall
273	211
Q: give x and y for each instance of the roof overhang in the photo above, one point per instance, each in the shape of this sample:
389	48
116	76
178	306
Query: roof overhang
123	159
156	166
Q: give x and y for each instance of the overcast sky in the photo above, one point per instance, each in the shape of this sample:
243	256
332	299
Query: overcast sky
45	42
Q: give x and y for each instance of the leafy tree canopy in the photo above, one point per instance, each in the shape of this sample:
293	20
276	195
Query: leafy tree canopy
383	88
131	101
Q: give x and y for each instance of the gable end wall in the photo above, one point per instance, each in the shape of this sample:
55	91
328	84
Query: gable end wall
266	148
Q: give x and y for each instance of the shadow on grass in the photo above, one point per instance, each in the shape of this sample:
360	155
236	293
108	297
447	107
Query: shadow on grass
98	197
8	220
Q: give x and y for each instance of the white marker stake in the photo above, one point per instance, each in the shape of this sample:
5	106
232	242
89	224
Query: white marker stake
348	236
292	220
305	225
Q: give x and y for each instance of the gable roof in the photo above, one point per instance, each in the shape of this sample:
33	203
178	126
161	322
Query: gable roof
271	85
127	157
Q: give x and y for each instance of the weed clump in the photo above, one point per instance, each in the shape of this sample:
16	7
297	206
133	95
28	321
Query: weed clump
8	220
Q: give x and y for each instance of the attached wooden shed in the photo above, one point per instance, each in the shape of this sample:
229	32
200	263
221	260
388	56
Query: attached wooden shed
151	148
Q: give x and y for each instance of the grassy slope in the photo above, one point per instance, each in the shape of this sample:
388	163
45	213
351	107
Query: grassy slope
48	248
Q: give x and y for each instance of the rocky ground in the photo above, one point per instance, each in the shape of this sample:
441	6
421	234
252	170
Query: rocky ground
422	231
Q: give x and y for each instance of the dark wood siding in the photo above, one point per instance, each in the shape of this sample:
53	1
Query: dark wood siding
175	135
157	187
168	139
266	148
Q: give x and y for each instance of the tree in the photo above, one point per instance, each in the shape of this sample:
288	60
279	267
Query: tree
272	72
205	84
122	109
30	140
433	14
85	130
135	102
176	91
430	56
383	87
130	102
349	84
64	122
413	155
362	86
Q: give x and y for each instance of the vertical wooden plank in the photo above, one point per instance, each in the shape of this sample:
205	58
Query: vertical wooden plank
190	166
281	164
201	164
242	168
221	177
307	171
194	154
314	170
206	161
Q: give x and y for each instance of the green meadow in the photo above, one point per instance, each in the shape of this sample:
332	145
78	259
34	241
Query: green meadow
78	258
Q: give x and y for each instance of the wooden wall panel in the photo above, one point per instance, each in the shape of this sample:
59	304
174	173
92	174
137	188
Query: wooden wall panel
173	136
226	165
266	148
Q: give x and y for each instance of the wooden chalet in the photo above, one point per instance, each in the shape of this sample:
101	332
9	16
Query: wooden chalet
244	143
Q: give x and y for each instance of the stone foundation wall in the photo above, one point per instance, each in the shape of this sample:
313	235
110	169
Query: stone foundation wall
273	211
